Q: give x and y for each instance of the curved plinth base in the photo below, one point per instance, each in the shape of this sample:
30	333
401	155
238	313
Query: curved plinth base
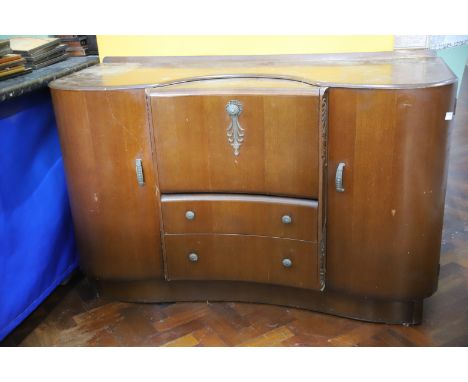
339	304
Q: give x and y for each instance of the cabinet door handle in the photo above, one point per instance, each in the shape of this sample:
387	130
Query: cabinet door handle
139	172
339	177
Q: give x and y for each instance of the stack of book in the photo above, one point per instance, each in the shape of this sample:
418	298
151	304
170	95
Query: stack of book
11	65
39	52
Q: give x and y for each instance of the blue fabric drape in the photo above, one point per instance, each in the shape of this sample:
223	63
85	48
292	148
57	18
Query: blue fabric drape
37	246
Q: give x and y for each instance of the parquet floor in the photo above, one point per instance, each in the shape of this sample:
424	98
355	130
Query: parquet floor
78	318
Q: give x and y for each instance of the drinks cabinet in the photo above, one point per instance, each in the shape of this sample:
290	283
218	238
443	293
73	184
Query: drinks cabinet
311	181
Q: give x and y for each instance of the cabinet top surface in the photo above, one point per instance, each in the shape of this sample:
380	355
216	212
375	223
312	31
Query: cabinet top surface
358	70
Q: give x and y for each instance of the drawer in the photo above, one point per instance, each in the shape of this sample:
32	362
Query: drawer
242	258
240	214
269	147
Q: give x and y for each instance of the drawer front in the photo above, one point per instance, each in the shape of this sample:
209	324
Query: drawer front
242	258
271	147
240	214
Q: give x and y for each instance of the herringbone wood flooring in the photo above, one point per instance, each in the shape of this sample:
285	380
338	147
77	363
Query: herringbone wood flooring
81	319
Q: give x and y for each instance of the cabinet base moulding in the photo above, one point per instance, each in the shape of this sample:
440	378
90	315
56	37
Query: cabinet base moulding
330	302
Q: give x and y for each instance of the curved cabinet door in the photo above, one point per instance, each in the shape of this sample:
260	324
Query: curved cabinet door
265	142
102	134
385	225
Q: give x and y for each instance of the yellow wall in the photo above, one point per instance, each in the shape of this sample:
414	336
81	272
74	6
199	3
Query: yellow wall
213	45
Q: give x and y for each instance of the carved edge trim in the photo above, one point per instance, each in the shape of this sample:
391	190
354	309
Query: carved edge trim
324	170
324	126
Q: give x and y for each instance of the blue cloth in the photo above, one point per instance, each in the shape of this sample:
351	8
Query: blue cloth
37	245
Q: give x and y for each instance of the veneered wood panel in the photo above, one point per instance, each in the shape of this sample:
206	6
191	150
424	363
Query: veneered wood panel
116	220
384	230
242	258
382	69
279	155
240	214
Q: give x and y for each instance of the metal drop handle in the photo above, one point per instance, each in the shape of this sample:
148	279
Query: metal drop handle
193	257
235	133
339	177
287	263
139	172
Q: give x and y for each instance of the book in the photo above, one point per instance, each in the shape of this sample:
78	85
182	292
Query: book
50	61
30	46
4	43
9	57
5	50
13	72
12	63
40	56
5	47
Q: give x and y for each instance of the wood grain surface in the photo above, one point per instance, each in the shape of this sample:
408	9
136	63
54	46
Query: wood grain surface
242	258
370	69
279	155
240	214
384	231
116	220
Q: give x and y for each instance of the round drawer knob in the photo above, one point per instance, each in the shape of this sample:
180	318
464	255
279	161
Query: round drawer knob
190	215
287	263
286	219
193	257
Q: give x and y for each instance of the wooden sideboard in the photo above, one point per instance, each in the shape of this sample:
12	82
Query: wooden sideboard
307	181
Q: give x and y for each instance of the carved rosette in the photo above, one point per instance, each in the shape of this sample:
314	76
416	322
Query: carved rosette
234	132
